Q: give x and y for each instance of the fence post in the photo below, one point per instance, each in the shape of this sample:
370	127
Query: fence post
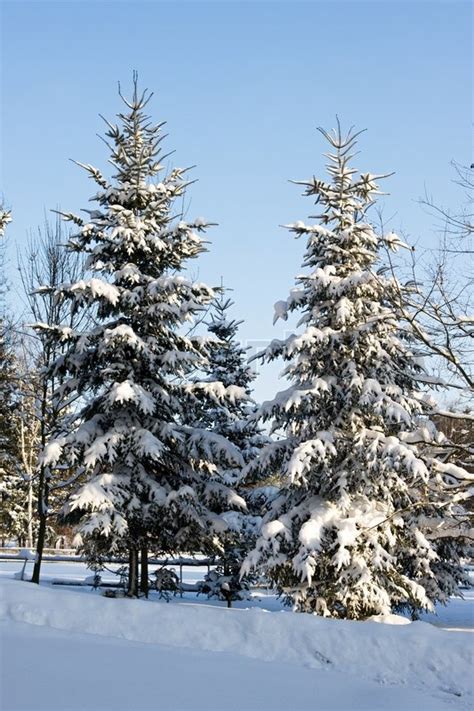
22	575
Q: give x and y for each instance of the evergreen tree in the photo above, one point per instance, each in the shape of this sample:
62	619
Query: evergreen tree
150	474
14	521
5	218
347	535
228	364
236	421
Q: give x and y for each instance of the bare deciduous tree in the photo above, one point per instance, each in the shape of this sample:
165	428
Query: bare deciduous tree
45	266
438	298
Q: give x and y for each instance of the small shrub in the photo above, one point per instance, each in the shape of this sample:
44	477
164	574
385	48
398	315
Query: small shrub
166	583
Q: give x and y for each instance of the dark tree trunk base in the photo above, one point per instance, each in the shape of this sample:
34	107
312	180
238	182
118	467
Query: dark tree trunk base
132	590
144	570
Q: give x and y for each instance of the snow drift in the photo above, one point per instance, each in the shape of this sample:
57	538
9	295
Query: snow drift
416	655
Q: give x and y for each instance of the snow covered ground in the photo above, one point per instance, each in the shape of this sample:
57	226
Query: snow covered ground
71	648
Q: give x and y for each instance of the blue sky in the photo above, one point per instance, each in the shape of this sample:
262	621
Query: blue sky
243	86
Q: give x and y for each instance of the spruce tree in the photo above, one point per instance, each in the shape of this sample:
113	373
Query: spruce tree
347	536
150	474
14	521
5	218
228	364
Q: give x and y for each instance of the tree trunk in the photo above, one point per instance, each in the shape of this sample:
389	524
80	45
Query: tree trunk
43	496
228	597
2	519
43	488
30	514
144	570
132	572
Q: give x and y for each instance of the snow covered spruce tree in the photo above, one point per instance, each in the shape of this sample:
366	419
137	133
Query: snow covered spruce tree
5	218
14	519
150	475
13	511
228	364
346	536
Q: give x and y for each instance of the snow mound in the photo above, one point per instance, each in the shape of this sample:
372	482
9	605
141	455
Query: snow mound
417	655
389	619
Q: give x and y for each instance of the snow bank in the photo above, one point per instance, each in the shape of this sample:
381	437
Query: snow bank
416	655
93	672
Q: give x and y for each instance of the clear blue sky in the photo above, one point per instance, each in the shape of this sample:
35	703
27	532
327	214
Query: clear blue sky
243	86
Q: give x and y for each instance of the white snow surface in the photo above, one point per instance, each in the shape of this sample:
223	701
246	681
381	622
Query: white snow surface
67	650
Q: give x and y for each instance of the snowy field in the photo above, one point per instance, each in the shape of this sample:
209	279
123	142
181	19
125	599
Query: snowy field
66	648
